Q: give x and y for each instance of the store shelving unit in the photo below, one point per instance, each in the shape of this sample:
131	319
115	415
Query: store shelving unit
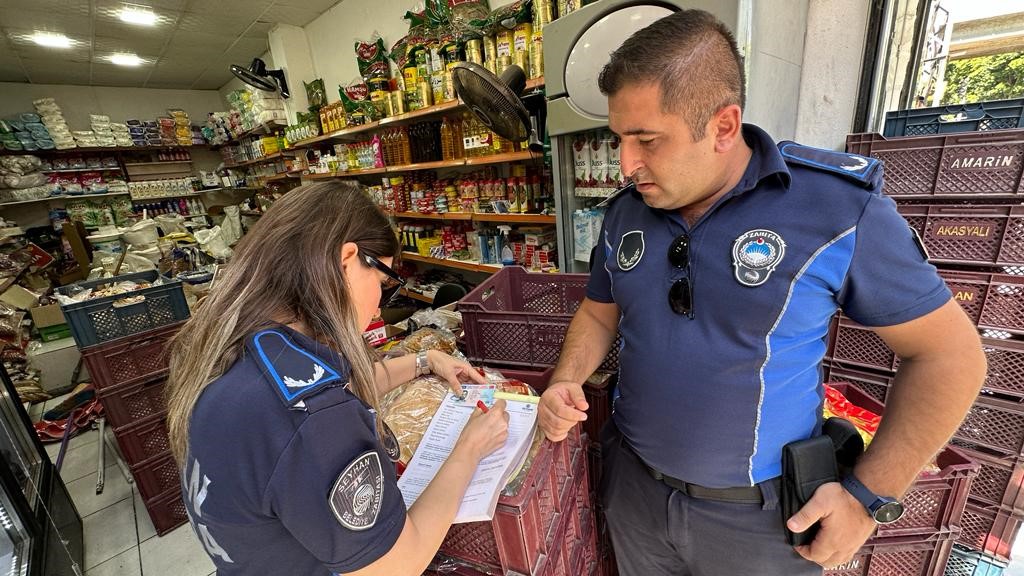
416	296
479	217
449	263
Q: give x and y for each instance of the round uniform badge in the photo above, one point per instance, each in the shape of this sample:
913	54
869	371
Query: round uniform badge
755	255
631	250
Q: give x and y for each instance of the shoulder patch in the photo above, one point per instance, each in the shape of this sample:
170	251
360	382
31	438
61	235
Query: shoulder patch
861	170
295	372
358	493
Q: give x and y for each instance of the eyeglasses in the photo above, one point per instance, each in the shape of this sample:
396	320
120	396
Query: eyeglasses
390	287
680	295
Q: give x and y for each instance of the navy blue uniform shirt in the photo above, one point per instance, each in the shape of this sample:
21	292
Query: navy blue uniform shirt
712	400
285	474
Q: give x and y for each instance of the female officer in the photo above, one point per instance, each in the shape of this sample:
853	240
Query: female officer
272	396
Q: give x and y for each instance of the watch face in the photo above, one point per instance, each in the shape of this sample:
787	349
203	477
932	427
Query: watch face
889	512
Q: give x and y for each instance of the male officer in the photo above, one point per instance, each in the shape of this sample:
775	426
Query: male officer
721	269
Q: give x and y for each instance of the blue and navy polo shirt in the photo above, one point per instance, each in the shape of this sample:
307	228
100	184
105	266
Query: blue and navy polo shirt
285	474
713	399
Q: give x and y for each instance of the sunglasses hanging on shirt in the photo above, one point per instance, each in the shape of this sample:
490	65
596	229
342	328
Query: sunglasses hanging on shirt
680	295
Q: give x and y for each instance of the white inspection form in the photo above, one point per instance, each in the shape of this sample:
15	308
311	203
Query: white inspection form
493	472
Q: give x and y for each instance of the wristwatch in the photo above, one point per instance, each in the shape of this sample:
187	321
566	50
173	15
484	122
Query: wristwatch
882	509
422	363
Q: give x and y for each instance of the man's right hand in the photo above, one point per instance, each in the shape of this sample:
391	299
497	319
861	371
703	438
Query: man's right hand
561	406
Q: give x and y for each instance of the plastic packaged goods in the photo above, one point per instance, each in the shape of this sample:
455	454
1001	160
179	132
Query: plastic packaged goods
581	159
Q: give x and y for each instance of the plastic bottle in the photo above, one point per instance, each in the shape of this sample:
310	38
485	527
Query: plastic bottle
447	141
507	256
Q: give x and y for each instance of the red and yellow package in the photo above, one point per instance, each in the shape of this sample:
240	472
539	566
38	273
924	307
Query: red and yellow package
866	421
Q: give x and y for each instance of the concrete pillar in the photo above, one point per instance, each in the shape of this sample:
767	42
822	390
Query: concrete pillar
290	50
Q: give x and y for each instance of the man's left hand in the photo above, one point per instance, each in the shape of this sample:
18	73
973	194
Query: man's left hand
845	525
455	372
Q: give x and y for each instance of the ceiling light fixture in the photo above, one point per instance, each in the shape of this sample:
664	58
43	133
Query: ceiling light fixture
140	15
126	59
51	40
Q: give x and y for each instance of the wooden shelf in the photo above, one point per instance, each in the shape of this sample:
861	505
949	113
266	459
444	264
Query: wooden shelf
416	296
103	149
279	177
70	197
158	163
453	216
535	83
267	158
421	113
426	166
458	264
501	158
264	128
68	170
515	218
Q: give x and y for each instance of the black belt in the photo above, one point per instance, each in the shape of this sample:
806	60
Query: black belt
737	495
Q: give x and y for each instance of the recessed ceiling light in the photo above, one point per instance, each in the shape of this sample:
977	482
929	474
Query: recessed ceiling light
141	15
126	59
51	40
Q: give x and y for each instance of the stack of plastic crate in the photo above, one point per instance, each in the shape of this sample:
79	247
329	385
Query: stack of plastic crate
123	340
516	321
961	192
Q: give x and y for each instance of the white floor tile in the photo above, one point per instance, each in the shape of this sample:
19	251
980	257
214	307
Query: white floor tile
124	564
178	553
109	532
144	525
82	461
83	491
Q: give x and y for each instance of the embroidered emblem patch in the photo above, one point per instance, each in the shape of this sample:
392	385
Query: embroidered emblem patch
631	250
755	255
358	493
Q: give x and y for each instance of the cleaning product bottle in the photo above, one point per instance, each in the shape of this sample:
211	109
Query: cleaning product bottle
507	256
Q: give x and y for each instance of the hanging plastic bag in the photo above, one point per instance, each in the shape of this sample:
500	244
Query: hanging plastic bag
232	225
213	242
143	235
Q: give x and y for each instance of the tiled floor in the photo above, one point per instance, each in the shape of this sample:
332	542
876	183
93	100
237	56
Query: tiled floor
119	538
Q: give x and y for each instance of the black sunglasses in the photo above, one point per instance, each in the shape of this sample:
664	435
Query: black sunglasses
680	295
390	287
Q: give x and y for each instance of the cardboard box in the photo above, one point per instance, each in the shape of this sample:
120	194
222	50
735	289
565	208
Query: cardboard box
46	316
380	332
19	297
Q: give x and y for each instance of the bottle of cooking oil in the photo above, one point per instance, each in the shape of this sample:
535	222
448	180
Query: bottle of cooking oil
404	147
447	140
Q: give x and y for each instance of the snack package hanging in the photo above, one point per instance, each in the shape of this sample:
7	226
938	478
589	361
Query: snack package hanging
355	98
315	93
372	59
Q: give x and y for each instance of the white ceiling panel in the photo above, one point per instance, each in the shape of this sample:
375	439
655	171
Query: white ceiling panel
290	15
45	72
191	45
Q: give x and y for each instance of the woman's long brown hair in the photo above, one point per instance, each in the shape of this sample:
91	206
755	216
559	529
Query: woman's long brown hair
286	269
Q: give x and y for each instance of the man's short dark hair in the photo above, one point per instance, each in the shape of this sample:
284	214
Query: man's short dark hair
693	58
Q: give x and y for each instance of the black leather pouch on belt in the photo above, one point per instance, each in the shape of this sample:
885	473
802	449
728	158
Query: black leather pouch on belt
807	464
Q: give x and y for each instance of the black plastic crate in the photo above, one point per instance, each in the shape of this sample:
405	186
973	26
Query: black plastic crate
103	319
976	117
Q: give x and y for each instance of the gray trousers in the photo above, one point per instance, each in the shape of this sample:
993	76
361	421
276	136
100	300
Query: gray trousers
659	531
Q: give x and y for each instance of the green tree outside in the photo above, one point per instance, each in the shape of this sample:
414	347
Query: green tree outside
995	77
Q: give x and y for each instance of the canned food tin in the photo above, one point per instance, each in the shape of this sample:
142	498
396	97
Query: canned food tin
490	48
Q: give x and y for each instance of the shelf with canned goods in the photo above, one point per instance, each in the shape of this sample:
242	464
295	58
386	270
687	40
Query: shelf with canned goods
475	161
63	198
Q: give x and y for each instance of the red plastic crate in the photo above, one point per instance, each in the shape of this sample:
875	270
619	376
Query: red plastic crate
936	501
995	424
167	511
136	357
144	439
961	165
129	403
990	531
1000	481
156	476
856	345
992	300
524	524
906	556
520	318
990	235
875	385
